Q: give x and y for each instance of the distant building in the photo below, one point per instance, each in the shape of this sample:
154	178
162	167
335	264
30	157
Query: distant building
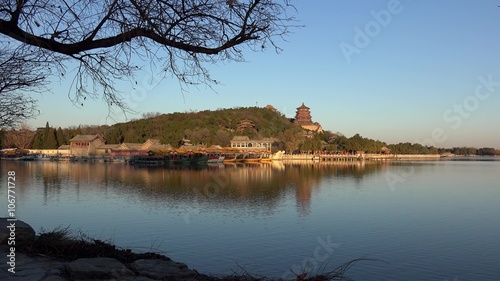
64	150
303	118
270	107
185	142
385	150
85	145
130	149
46	152
245	124
245	143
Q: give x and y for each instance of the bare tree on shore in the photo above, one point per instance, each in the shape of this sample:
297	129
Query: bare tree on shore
20	138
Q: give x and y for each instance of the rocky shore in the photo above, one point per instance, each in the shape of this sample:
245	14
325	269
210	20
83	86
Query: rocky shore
23	258
58	256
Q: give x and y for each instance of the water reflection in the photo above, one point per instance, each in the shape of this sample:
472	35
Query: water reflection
244	185
212	216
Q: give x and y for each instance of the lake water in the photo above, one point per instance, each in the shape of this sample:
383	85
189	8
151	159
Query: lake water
426	220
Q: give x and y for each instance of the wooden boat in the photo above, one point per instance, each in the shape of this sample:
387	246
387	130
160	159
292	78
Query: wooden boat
147	160
198	158
14	154
266	157
230	157
215	158
21	158
182	161
252	157
18	157
177	159
11	158
240	157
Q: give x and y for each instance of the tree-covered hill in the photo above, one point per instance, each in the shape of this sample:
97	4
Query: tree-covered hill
218	127
207	127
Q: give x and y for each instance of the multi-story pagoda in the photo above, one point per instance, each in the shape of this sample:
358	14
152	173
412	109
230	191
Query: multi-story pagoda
245	124
303	116
304	119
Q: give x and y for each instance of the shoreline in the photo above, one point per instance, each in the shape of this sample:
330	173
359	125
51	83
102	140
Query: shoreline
282	158
58	256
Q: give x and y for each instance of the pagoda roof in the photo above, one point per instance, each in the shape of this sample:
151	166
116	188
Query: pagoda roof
302	107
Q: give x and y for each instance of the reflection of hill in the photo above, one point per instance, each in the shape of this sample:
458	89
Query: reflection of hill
230	186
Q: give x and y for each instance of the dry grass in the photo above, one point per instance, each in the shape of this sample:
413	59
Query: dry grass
61	243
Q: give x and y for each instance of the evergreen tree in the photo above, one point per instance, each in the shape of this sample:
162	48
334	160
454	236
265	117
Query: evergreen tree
38	140
60	138
49	138
46	133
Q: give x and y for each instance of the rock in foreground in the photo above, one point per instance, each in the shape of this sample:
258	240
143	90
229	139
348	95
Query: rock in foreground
22	233
161	269
98	268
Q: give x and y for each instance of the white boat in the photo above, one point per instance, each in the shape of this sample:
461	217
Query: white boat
42	157
215	158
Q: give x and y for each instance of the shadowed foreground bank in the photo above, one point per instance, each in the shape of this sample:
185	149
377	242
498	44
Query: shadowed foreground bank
58	255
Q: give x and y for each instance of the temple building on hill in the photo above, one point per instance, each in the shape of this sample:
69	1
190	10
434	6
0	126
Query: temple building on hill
303	118
245	124
270	107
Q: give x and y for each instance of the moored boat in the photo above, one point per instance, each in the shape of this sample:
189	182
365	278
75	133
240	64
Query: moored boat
177	159
266	157
215	158
42	157
27	158
240	157
198	158
230	157
147	160
252	157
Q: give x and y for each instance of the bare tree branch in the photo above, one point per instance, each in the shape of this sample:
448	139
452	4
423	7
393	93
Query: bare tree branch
104	35
20	70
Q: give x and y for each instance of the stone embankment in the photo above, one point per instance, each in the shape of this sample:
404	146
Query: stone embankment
401	157
17	264
358	157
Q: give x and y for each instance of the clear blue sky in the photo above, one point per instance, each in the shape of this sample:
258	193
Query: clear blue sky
397	71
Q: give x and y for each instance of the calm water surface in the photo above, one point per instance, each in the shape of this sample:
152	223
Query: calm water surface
432	220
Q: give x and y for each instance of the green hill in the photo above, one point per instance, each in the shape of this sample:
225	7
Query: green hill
208	127
218	127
